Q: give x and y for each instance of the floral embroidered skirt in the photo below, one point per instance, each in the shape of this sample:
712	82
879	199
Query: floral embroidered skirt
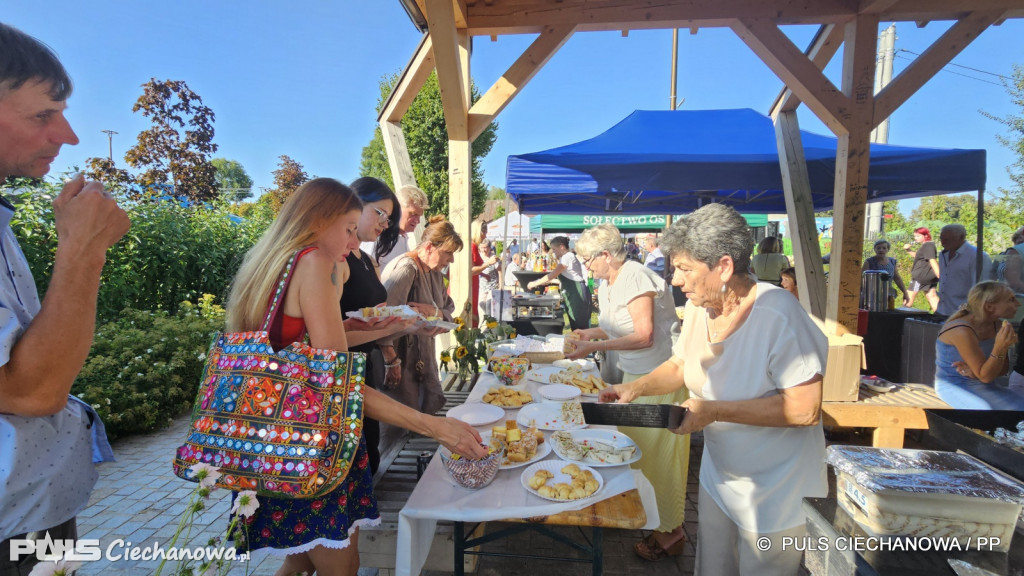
283	526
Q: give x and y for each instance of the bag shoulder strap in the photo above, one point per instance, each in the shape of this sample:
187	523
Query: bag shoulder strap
283	281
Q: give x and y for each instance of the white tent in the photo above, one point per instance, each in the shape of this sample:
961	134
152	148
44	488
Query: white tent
509	226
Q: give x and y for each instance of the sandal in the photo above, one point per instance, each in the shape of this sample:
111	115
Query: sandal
650	549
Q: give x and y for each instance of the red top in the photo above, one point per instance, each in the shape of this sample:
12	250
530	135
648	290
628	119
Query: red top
474	283
285	329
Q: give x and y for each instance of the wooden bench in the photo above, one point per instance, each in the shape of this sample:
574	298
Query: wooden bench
889	413
392	485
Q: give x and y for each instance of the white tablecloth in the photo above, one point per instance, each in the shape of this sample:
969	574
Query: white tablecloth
438	497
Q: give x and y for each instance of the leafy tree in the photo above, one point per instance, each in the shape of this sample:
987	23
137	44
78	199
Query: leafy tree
427	140
1015	141
177	148
287	179
104	170
497	193
232	180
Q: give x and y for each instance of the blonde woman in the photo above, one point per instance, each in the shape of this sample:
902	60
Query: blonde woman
971	351
319	222
770	261
638	320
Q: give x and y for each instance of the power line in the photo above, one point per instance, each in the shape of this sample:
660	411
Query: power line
959	73
978	70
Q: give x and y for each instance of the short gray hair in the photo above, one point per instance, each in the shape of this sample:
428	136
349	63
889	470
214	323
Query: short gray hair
602	237
957	229
409	195
709	233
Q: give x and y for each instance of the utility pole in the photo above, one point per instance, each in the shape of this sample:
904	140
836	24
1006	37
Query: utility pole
672	91
880	135
110	145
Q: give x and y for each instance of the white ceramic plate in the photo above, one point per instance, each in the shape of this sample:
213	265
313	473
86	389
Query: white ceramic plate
546	416
585	364
555	467
477	413
610	437
404	311
559	392
543	450
542	374
517	389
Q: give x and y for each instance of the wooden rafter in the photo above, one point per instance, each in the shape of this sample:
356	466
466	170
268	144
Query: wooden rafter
940	53
516	77
441	21
798	72
531	16
823	47
409	84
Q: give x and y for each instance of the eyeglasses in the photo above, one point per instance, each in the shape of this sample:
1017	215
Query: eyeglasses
382	216
587	261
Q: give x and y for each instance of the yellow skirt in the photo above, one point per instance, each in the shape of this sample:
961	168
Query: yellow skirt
666	460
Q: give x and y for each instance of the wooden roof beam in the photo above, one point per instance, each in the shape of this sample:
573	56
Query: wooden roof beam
461	13
823	47
796	70
922	69
531	16
409	84
516	77
441	22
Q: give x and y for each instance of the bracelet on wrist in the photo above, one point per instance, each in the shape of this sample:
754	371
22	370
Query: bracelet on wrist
997	357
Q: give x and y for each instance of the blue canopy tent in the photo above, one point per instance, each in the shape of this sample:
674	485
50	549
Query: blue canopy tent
673	162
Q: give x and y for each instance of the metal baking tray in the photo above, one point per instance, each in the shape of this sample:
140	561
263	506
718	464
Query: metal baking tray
958	430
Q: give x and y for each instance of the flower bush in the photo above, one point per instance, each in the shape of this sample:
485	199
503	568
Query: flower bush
144	368
470	348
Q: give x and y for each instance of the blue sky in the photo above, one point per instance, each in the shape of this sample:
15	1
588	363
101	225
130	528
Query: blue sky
301	78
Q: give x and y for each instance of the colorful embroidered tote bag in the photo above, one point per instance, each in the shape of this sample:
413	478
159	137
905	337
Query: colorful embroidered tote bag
285	423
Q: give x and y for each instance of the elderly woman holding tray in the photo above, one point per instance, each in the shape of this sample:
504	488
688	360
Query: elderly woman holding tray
414	380
753	362
638	319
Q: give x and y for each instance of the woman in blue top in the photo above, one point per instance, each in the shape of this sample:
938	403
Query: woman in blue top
883	262
971	351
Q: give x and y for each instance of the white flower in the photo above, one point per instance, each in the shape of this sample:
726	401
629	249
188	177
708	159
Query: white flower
56	568
245	504
149	350
202	356
206	474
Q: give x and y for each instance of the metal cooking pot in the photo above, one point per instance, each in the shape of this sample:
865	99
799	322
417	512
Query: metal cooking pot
874	290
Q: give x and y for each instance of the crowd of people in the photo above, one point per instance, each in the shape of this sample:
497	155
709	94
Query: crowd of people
748	362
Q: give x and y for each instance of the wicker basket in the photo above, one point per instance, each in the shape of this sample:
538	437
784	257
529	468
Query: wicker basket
543	357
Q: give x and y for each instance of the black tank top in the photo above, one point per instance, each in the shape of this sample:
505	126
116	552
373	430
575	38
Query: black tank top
362	290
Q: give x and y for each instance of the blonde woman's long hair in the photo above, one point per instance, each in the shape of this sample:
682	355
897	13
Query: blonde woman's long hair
981	294
315	205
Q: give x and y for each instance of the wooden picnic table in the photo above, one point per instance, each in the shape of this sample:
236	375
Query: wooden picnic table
891	414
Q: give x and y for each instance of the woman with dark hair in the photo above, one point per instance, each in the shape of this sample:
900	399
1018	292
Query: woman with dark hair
363	289
753	363
924	275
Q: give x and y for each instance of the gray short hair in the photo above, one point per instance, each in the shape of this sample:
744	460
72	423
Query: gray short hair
709	233
409	195
957	229
602	237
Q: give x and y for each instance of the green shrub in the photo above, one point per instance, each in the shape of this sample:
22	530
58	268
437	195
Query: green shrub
144	368
171	254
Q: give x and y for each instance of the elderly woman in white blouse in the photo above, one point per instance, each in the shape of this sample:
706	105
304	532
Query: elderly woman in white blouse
753	362
638	320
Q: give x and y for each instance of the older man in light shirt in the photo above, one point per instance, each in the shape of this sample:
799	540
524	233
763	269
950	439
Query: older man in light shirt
958	268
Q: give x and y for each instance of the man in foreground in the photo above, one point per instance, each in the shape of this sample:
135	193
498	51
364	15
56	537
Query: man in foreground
47	439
